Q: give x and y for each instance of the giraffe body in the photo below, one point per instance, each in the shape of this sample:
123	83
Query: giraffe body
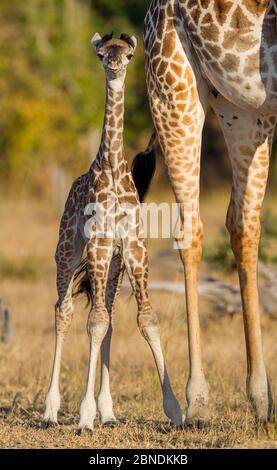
237	50
107	185
222	53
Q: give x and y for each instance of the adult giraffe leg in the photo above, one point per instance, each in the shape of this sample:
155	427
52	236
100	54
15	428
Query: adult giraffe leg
178	100
136	262
68	256
248	135
99	254
184	178
104	399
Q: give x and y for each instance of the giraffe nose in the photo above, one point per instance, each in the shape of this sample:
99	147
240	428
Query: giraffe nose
114	65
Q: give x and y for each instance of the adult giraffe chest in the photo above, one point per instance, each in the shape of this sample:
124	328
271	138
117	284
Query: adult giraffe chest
236	44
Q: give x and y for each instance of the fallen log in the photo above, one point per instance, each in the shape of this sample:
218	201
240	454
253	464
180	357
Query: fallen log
224	298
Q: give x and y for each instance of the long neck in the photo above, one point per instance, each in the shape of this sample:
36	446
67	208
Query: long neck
110	154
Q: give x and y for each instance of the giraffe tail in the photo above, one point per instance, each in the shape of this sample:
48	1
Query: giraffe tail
81	282
143	167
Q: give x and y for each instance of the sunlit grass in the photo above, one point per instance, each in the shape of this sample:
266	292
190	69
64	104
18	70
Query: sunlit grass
25	362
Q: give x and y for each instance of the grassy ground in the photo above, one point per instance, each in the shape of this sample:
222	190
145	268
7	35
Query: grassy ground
28	235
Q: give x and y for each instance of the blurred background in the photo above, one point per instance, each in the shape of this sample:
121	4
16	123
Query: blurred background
52	92
52	95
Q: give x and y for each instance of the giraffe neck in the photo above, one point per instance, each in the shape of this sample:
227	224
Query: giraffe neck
110	155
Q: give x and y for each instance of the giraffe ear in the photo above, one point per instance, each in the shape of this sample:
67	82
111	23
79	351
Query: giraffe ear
134	41
96	39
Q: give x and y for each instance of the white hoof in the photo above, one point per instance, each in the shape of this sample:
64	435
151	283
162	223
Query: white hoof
52	406
197	394
87	414
105	408
108	419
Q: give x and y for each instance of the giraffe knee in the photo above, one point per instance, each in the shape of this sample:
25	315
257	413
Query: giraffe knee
148	323
191	251
98	324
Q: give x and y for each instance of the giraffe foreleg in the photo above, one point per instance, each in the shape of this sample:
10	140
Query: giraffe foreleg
183	162
178	99
197	392
99	254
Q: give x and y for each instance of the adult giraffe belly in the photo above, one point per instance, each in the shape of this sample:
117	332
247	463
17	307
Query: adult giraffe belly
236	44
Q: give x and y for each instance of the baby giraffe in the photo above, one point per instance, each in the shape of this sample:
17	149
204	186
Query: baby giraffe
108	184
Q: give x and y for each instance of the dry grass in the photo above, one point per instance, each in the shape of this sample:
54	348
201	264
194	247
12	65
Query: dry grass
28	231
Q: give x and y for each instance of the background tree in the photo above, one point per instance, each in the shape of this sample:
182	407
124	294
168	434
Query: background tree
52	90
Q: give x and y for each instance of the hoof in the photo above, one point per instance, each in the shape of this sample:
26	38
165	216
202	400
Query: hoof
173	411
110	422
272	415
196	423
258	391
177	426
262	419
197	416
47	423
79	431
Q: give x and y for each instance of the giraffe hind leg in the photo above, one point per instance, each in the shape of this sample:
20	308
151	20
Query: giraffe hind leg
135	257
104	399
248	136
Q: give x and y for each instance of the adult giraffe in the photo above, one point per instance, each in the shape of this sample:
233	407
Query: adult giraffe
222	52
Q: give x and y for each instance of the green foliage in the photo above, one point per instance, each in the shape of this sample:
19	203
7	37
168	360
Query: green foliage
269	224
220	255
29	268
52	86
134	9
268	245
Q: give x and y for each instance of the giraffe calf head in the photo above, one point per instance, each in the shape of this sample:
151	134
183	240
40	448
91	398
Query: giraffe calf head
115	55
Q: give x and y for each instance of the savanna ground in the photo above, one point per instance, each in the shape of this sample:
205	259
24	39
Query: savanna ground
27	238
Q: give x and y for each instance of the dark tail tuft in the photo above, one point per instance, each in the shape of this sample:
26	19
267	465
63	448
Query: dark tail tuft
82	283
143	168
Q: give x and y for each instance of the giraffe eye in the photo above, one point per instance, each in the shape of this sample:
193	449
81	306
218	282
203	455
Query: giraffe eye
129	56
